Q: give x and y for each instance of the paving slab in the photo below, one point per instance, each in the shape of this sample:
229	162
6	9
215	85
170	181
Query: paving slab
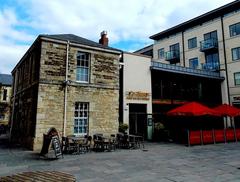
164	162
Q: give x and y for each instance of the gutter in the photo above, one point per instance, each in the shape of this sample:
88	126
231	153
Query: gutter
81	45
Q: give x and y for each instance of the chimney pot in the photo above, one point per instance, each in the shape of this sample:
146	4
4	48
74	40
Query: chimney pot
103	40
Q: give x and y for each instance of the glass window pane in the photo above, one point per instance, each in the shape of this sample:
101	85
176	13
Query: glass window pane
81	118
83	63
237	78
236	54
234	29
76	114
75	129
192	43
161	53
193	63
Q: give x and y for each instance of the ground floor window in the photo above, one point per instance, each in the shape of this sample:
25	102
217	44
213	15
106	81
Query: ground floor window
81	118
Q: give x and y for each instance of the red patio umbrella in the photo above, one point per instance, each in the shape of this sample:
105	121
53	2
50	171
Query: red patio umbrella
192	109
227	110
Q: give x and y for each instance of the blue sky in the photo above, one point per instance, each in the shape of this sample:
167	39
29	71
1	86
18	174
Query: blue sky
129	23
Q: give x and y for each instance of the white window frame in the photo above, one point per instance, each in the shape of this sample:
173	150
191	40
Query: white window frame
83	64
81	118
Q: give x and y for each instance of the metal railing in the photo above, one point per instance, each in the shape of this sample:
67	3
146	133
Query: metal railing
208	44
185	70
211	66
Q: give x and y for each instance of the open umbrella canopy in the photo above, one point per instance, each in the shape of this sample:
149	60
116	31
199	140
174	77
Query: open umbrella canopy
227	110
192	109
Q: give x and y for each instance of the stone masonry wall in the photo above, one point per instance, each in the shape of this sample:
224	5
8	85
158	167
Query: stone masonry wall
101	92
25	88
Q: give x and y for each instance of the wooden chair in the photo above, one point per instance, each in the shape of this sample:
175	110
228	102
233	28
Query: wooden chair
69	146
98	142
86	146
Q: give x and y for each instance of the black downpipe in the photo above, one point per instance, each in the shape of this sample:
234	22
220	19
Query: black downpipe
183	48
225	60
121	90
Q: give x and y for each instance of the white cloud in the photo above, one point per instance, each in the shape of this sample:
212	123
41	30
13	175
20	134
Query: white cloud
125	19
133	20
10	55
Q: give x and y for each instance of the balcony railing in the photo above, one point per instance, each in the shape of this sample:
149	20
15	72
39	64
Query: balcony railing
209	44
185	70
211	66
172	56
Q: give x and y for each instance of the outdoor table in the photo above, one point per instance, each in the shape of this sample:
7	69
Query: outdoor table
79	141
135	141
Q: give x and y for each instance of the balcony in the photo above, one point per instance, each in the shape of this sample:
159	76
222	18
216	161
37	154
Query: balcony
211	66
207	73
172	56
208	45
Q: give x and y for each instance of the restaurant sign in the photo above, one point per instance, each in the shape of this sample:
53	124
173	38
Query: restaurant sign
137	95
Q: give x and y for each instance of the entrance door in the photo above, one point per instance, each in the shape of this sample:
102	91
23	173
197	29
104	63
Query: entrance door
138	119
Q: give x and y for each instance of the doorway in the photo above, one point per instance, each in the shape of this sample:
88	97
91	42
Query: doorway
138	119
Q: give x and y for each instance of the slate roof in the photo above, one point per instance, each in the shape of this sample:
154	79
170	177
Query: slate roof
5	79
79	40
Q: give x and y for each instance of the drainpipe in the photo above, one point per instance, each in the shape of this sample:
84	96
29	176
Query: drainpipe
226	69
65	92
184	64
225	60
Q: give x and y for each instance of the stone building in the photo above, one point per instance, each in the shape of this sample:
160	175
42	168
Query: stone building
5	95
66	82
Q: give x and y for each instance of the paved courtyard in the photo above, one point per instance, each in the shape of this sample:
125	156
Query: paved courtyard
160	162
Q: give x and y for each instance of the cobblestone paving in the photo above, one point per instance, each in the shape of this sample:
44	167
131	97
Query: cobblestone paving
160	162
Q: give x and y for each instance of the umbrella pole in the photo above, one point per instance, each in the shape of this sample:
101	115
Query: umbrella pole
224	129
235	135
213	135
188	135
201	136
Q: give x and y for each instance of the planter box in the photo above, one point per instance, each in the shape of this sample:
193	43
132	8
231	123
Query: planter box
207	136
219	136
194	137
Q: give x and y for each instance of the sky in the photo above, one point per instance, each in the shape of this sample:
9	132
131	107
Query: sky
129	23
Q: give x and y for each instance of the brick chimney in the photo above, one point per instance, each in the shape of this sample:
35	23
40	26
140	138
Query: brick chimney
104	39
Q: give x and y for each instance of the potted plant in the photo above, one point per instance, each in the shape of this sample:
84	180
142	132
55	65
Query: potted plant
123	127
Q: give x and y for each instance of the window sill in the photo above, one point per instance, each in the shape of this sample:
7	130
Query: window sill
82	82
236	60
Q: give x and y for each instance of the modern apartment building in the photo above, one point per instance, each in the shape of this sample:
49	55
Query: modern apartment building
197	60
205	44
68	83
